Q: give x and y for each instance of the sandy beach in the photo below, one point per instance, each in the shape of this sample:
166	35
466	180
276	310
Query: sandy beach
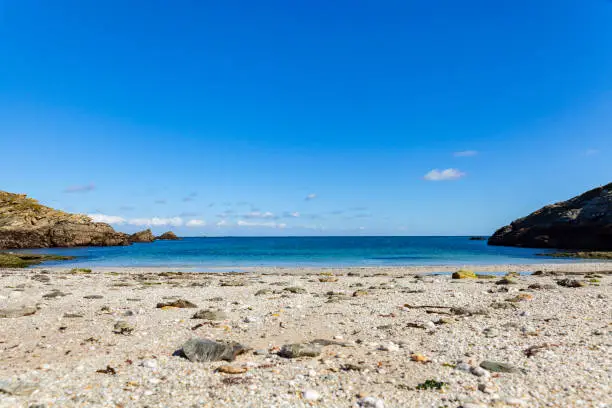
381	337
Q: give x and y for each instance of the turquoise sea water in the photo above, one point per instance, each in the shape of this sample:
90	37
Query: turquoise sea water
302	251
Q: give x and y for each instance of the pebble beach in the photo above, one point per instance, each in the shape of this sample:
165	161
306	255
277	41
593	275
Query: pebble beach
307	337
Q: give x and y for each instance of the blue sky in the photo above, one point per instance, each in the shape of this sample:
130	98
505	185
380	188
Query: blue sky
305	117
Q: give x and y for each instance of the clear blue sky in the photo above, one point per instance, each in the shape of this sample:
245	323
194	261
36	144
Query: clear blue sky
305	117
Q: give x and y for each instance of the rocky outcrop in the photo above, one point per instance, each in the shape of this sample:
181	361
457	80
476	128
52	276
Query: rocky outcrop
583	222
170	236
142	236
24	223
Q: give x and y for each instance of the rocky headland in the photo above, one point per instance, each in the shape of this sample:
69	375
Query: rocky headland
581	223
25	223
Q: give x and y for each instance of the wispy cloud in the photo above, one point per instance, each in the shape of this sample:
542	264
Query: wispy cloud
195	223
260	215
444	175
465	153
80	189
126	208
243	223
591	152
291	214
160	201
188	214
310	197
190	197
222	223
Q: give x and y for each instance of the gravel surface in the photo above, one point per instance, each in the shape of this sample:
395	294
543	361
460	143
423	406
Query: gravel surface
339	337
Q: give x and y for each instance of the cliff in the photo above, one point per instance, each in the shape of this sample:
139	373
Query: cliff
583	222
25	223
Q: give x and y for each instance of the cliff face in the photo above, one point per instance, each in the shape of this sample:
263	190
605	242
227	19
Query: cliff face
24	223
583	222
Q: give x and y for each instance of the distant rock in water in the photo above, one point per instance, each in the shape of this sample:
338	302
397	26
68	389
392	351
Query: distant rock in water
171	236
478	238
142	236
583	222
24	223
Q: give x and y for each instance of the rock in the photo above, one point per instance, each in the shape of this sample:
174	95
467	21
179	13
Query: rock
464	311
234	282
73	315
371	402
360	292
17	312
24	223
228	369
463	367
571	283
583	222
169	235
540	286
479	372
142	236
204	350
311	395
210	315
295	289
17	388
521	297
498	367
180	303
506	280
300	350
123	327
54	293
464	274
262	292
328	279
93	297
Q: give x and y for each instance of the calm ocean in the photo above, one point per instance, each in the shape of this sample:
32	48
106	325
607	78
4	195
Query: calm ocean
302	251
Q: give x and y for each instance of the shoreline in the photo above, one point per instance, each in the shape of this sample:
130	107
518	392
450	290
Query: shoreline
387	337
573	266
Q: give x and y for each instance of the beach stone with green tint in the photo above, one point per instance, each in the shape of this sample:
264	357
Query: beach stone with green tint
464	274
498	367
300	350
205	350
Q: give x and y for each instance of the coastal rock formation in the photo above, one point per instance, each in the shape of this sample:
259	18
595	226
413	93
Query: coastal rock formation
142	236
24	223
169	235
583	222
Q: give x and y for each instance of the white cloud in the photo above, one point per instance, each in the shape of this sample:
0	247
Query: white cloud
311	196
465	153
195	223
260	215
294	214
109	219
157	222
242	223
444	175
222	223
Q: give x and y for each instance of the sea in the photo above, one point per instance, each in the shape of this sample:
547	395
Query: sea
236	252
